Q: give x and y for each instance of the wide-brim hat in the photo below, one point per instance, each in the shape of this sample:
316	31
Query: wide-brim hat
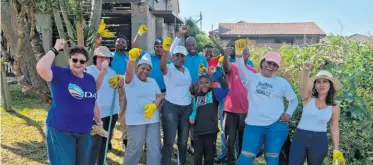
325	75
103	51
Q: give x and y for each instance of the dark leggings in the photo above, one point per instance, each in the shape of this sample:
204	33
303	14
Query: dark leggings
96	152
234	125
204	148
175	118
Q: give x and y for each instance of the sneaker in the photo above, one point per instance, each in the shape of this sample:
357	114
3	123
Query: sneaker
221	158
191	150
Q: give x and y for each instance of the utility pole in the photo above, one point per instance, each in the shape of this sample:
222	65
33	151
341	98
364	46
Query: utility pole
200	17
200	20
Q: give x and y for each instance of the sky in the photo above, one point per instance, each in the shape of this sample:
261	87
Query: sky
356	16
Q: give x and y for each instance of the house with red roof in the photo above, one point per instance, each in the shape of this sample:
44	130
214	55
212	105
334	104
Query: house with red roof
272	34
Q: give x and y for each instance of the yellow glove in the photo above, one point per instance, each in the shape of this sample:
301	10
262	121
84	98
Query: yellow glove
337	155
103	31
149	110
241	44
220	61
95	130
167	43
134	53
142	29
114	81
202	68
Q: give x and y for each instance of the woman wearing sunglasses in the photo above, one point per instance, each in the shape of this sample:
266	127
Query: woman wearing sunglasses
265	118
310	140
69	119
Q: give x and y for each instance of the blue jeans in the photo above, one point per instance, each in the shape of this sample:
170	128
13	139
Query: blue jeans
273	136
67	147
310	145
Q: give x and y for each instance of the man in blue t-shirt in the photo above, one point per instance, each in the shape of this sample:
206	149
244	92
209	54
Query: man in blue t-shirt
156	63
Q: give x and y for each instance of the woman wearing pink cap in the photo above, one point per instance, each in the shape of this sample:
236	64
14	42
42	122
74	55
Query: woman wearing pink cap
265	121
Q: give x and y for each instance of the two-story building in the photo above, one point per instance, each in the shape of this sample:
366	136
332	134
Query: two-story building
271	34
125	16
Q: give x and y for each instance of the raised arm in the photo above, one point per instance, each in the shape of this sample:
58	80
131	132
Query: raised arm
101	75
226	63
304	88
183	29
142	29
212	38
44	65
134	53
245	74
166	49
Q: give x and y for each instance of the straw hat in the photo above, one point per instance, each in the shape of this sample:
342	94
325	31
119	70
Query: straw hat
102	51
325	75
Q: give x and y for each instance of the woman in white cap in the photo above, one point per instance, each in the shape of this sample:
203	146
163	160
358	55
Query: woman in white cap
310	140
142	117
265	121
178	103
105	94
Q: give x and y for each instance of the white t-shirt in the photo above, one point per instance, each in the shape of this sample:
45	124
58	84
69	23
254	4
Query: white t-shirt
105	93
138	94
177	85
265	96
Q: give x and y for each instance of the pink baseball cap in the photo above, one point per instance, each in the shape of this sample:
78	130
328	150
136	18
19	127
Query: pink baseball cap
274	57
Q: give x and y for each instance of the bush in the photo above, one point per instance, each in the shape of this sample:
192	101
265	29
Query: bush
351	62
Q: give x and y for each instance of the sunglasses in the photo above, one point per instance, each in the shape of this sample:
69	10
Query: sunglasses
76	60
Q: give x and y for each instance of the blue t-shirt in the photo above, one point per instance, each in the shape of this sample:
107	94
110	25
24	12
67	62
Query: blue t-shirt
119	63
192	63
73	101
156	72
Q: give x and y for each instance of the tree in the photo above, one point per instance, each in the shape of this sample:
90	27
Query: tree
193	29
19	29
6	101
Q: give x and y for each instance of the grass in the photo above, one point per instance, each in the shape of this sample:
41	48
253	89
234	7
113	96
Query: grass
23	134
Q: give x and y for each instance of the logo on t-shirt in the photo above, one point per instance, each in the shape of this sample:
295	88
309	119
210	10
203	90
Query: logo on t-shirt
78	93
264	89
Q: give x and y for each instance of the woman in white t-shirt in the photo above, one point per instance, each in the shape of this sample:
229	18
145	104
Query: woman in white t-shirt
310	140
142	117
177	105
265	121
105	94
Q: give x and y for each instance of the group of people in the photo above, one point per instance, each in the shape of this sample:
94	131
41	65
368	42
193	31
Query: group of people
154	96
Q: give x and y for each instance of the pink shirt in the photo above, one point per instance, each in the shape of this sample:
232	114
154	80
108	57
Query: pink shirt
236	100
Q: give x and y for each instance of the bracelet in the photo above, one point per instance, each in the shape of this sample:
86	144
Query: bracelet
100	123
54	51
